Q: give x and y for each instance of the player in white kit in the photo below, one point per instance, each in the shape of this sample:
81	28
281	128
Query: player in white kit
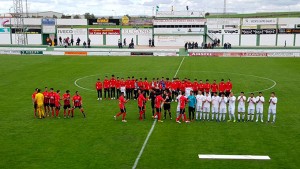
223	107
241	106
231	107
199	99
206	106
251	107
215	106
260	100
272	107
178	104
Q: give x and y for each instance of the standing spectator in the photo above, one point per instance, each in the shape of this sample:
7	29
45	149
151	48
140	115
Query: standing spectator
153	42
60	41
209	46
68	41
196	45
84	44
72	41
124	42
202	45
186	46
119	43
89	42
132	40
225	46
55	41
218	42
150	42
78	41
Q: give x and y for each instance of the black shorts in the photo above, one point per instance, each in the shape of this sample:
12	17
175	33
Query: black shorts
152	105
141	108
79	107
46	104
35	106
158	110
52	105
57	107
123	110
167	106
182	111
67	107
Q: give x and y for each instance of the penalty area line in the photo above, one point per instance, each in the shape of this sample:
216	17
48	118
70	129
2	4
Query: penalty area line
152	128
233	157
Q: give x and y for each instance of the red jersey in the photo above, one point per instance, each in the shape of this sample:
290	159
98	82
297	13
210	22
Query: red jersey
189	84
168	84
228	86
140	85
214	87
106	84
118	84
33	96
127	84
99	85
132	84
174	85
52	96
182	87
57	100
112	82
122	102
122	83
77	100
158	101
66	98
46	97
201	87
146	85
221	87
141	100
195	86
207	87
183	101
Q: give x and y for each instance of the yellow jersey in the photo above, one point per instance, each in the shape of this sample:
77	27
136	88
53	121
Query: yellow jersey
39	97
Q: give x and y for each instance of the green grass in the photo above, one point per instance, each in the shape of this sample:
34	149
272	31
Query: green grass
101	142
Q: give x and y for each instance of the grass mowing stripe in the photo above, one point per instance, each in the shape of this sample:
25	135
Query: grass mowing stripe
152	128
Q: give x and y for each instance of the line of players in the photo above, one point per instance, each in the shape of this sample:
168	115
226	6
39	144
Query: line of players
48	102
114	86
206	107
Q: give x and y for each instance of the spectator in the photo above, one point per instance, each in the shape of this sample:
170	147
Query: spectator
60	41
189	45
153	42
209	46
68	41
186	46
55	41
131	45
150	42
229	45
132	40
202	45
124	42
84	44
196	45
89	42
225	46
78	41
205	46
218	42
193	45
72	41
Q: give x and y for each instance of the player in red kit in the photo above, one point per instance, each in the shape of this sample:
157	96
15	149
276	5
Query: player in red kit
228	87
222	87
128	88
214	88
34	101
158	103
99	87
118	87
52	96
106	85
201	86
46	102
113	87
67	103
146	88
207	86
183	101
141	103
122	103
77	103
57	103
195	87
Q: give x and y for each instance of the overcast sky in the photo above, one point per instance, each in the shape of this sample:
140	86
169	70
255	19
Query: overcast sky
144	7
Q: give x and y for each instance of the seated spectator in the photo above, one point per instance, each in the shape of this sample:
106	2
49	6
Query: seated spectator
205	46
196	45
225	46
131	45
209	46
84	44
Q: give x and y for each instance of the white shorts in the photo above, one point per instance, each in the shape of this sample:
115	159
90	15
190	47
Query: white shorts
223	111
251	111
206	109
231	110
178	109
272	111
259	110
241	109
199	108
215	110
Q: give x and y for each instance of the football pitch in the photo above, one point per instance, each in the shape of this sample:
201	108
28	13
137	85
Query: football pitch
101	142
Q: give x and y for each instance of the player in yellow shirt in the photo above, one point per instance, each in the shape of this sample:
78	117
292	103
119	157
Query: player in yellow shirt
39	98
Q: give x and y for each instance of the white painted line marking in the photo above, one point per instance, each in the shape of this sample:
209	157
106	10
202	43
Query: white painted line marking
152	128
233	157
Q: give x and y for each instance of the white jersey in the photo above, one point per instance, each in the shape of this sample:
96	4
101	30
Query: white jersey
178	102
223	102
200	99
242	101
215	101
251	102
207	100
273	103
231	101
260	101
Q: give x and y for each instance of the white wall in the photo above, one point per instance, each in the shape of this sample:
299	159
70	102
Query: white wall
96	40
112	40
176	40
33	39
144	40
128	39
289	38
297	40
268	40
233	39
4	38
248	40
71	22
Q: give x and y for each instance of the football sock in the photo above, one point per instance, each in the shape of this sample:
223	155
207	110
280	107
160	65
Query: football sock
184	116
119	114
57	113
204	115
248	117
233	117
220	117
124	115
170	114
197	114
179	117
269	117
243	116
212	116
83	113
239	116
261	117
224	116
217	115
257	116
274	118
229	116
65	112
201	115
252	117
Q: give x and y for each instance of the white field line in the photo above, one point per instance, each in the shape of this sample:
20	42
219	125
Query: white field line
152	128
233	157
